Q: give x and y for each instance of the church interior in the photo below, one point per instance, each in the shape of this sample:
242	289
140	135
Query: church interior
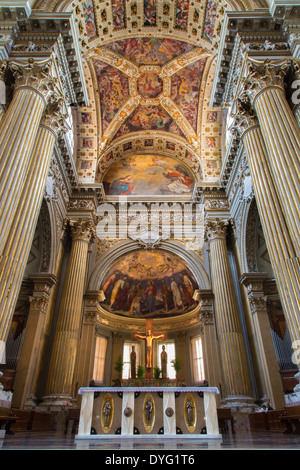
149	211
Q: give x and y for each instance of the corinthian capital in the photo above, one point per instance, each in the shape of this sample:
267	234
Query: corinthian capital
36	75
82	230
244	115
264	75
215	229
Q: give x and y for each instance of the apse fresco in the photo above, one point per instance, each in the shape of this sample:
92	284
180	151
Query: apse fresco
186	88
149	51
147	118
113	89
148	175
149	284
210	18
89	18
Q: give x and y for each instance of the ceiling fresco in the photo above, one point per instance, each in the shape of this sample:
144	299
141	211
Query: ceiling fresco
148	175
149	68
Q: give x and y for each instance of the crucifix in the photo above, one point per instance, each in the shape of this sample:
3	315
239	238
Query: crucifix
149	337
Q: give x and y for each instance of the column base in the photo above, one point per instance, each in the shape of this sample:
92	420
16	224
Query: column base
239	403
57	402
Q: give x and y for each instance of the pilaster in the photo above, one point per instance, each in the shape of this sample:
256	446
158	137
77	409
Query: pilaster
269	369
28	364
88	337
210	347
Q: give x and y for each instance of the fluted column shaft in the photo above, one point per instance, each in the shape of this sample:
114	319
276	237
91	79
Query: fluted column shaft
18	131
229	331
20	234
281	134
281	250
64	352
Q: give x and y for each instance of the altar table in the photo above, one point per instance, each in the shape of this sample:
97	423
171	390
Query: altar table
156	412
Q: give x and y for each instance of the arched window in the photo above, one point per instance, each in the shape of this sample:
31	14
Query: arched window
197	358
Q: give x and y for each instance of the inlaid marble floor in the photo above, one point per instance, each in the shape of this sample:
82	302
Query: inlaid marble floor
245	441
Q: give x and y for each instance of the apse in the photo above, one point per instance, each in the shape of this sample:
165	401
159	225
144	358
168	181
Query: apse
149	284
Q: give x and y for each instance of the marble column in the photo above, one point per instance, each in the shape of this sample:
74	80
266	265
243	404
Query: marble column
19	235
269	368
281	133
24	384
284	260
62	369
236	380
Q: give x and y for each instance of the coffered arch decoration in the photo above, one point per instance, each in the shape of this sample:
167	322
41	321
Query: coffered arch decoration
153	143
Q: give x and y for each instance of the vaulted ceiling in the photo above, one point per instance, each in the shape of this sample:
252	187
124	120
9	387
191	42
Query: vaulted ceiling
149	67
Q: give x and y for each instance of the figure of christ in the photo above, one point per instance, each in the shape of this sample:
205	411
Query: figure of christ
149	337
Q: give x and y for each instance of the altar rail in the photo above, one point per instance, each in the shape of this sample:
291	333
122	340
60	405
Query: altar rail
156	412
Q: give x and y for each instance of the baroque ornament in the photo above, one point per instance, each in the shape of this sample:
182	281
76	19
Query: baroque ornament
264	75
36	75
215	229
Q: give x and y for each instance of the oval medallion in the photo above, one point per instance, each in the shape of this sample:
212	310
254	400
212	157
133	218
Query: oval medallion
148	412
190	412
107	412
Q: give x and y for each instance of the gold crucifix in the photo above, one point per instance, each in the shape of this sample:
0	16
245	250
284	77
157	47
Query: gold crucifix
149	337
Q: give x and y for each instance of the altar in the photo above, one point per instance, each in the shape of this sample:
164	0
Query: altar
156	412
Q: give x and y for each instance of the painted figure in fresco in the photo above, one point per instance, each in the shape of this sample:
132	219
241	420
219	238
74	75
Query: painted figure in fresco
122	186
180	183
118	11
164	361
188	289
150	294
177	297
117	286
149	12
133	363
89	17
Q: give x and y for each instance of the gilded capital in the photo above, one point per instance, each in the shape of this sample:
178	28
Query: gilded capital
35	75
215	229
264	75
82	230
